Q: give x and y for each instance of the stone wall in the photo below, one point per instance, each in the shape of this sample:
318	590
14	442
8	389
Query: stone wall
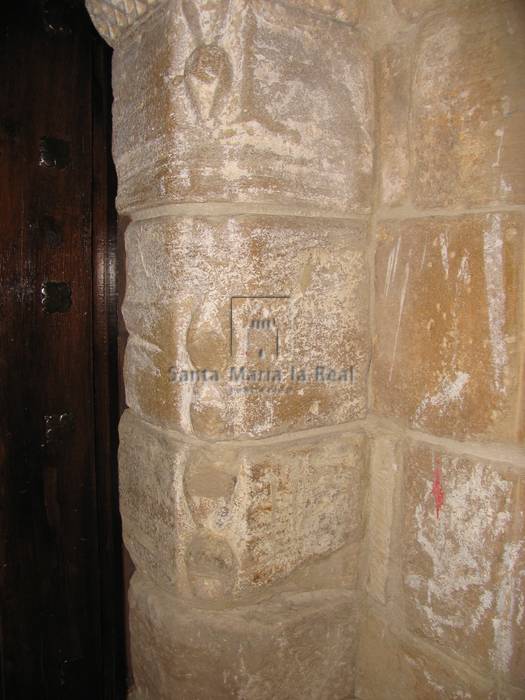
446	536
337	187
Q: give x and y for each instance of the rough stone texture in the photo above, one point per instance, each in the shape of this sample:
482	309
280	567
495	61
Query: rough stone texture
448	592
449	324
182	274
243	102
298	646
384	468
246	551
113	17
451	96
414	9
463	562
393	84
221	521
395	667
342	10
467	105
511	600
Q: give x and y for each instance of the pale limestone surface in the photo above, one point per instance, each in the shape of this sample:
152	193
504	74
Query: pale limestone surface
294	646
453	622
468	92
414	9
446	594
393	84
417	9
260	562
343	10
449	324
243	102
451	99
219	522
183	312
463	566
395	667
112	18
384	467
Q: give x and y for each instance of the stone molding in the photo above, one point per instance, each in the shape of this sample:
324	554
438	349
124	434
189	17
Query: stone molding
112	17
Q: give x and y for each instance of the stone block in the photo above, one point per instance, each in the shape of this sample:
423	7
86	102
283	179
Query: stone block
463	558
384	478
414	10
449	324
467	133
342	10
393	86
113	18
392	666
155	517
341	568
509	623
243	102
300	501
294	646
261	301
222	521
449	98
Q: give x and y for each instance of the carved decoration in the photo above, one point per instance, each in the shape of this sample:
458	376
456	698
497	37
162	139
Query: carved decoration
208	75
112	17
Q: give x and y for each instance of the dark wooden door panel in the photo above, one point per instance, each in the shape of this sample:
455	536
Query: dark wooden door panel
51	576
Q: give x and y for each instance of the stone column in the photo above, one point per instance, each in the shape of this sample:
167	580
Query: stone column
242	141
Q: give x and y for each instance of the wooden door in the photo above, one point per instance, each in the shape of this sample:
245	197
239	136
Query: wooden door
59	557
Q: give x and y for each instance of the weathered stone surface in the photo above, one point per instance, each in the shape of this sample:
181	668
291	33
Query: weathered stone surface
151	500
342	10
393	85
295	646
449	104
414	10
384	469
394	667
112	18
299	501
449	324
220	521
339	569
468	96
267	106
463	558
201	296
380	22
509	621
243	102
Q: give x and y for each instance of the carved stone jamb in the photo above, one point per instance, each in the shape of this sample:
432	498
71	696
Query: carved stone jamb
113	17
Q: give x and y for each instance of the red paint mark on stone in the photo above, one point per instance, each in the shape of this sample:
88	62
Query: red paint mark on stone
437	491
